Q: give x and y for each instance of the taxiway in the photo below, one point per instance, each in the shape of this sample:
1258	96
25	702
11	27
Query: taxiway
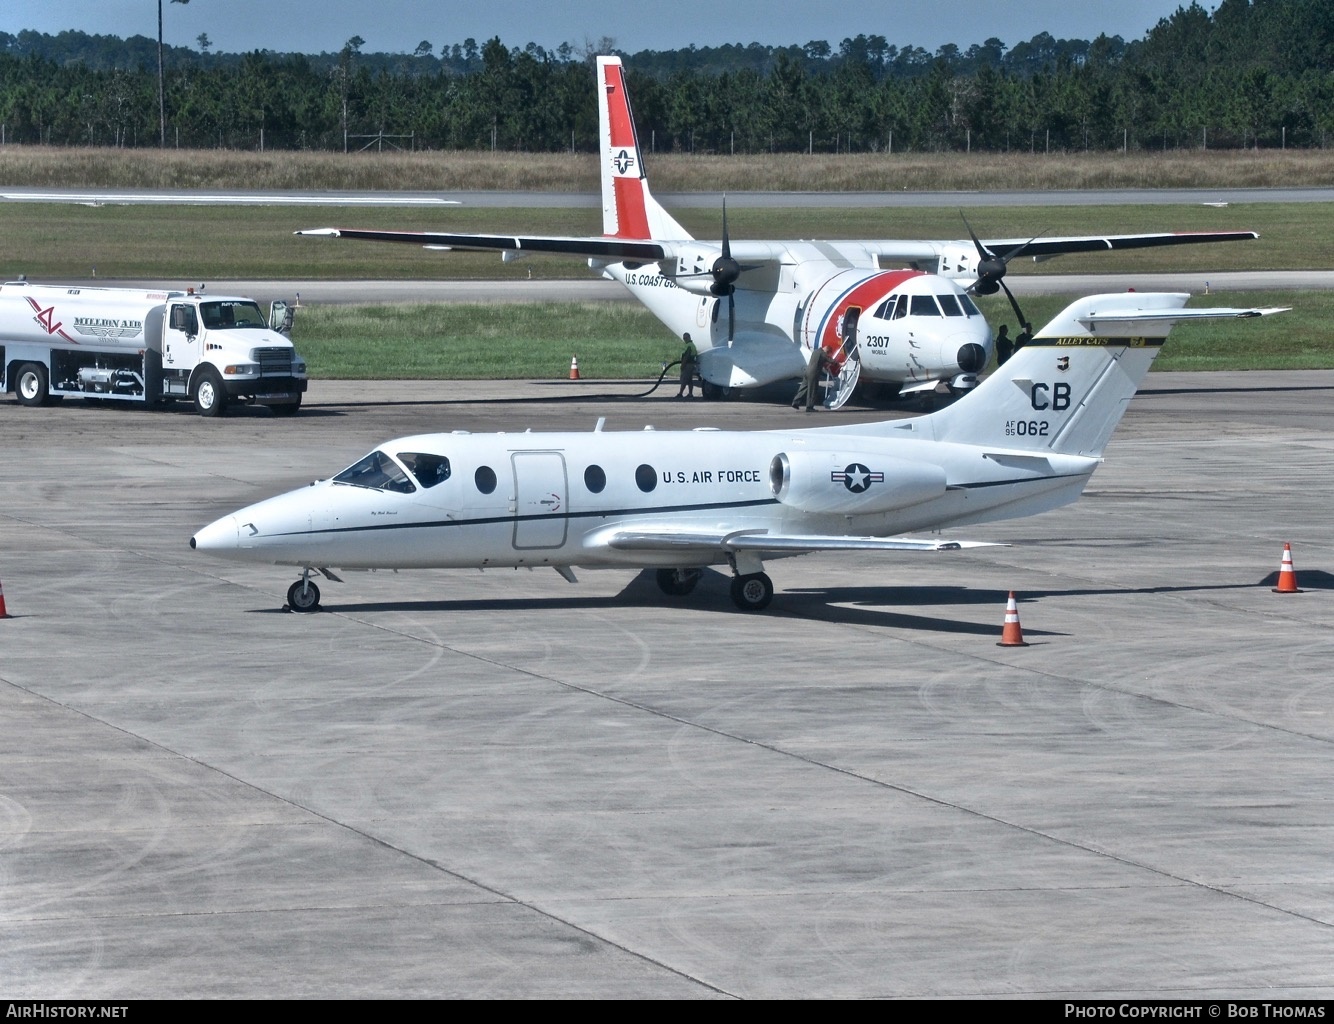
464	784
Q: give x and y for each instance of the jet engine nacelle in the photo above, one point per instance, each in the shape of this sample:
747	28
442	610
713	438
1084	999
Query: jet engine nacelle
852	482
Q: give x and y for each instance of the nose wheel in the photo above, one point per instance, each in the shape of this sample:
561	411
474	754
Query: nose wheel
303	596
753	592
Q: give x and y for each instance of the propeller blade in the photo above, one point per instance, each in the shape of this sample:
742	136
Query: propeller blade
727	239
1023	320
991	268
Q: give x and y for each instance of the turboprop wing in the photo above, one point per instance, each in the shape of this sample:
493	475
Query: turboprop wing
756	310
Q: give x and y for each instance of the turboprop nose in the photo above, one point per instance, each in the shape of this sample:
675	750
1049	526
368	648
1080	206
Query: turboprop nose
970	349
217	536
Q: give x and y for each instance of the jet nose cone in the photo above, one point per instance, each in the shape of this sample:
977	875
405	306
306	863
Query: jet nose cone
218	536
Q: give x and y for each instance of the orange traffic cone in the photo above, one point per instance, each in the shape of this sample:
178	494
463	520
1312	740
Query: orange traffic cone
1287	576
1012	635
574	367
3	614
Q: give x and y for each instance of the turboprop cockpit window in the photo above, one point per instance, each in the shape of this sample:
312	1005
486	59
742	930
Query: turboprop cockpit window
227	313
378	472
925	305
428	469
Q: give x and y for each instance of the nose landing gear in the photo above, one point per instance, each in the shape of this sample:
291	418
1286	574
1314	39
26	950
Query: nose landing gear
303	596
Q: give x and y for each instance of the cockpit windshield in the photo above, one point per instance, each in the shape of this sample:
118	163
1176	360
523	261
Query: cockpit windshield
925	305
427	468
226	313
378	472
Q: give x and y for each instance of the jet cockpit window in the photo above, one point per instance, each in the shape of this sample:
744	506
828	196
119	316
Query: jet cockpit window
378	472
227	313
949	305
969	306
925	305
428	469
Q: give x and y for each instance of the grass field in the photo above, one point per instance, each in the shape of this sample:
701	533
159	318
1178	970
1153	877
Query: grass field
213	243
671	172
621	340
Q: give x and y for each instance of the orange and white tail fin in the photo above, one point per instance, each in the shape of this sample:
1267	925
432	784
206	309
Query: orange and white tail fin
628	207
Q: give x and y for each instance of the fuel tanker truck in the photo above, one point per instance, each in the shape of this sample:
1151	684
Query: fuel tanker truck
147	346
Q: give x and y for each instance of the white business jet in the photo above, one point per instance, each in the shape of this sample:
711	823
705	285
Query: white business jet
892	311
1026	440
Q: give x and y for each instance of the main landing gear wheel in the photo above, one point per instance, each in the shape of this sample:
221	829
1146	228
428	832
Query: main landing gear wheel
303	596
714	392
678	582
752	593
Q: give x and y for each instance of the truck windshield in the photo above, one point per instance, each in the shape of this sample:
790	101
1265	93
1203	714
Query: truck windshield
231	313
378	472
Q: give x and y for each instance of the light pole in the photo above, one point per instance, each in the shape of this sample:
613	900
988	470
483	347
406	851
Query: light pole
161	96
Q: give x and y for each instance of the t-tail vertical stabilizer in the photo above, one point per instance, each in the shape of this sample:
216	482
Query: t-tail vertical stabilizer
1065	391
628	207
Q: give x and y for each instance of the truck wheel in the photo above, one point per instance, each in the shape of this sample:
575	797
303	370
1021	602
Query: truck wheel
303	596
210	398
286	408
30	386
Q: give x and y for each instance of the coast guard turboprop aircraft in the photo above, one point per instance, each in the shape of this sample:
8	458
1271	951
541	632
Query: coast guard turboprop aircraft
756	309
1027	439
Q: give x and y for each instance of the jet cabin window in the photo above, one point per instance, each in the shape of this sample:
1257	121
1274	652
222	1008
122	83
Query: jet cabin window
225	314
428	469
378	472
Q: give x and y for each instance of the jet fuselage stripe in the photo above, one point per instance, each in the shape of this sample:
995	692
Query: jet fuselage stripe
652	510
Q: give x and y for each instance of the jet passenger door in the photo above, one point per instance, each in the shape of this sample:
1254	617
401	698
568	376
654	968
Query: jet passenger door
540	499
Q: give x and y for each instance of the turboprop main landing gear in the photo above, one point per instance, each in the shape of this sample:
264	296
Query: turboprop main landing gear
303	596
752	592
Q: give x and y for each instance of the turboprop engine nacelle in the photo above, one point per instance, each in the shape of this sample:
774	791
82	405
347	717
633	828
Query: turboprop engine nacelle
959	263
852	482
693	270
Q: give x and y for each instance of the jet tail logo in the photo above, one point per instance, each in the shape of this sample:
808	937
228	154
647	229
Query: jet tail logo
46	319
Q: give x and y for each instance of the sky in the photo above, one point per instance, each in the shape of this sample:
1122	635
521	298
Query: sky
397	26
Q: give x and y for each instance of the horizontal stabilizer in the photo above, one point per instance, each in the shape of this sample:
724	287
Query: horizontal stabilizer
1171	316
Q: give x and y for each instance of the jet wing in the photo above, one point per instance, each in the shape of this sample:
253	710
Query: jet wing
631	539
